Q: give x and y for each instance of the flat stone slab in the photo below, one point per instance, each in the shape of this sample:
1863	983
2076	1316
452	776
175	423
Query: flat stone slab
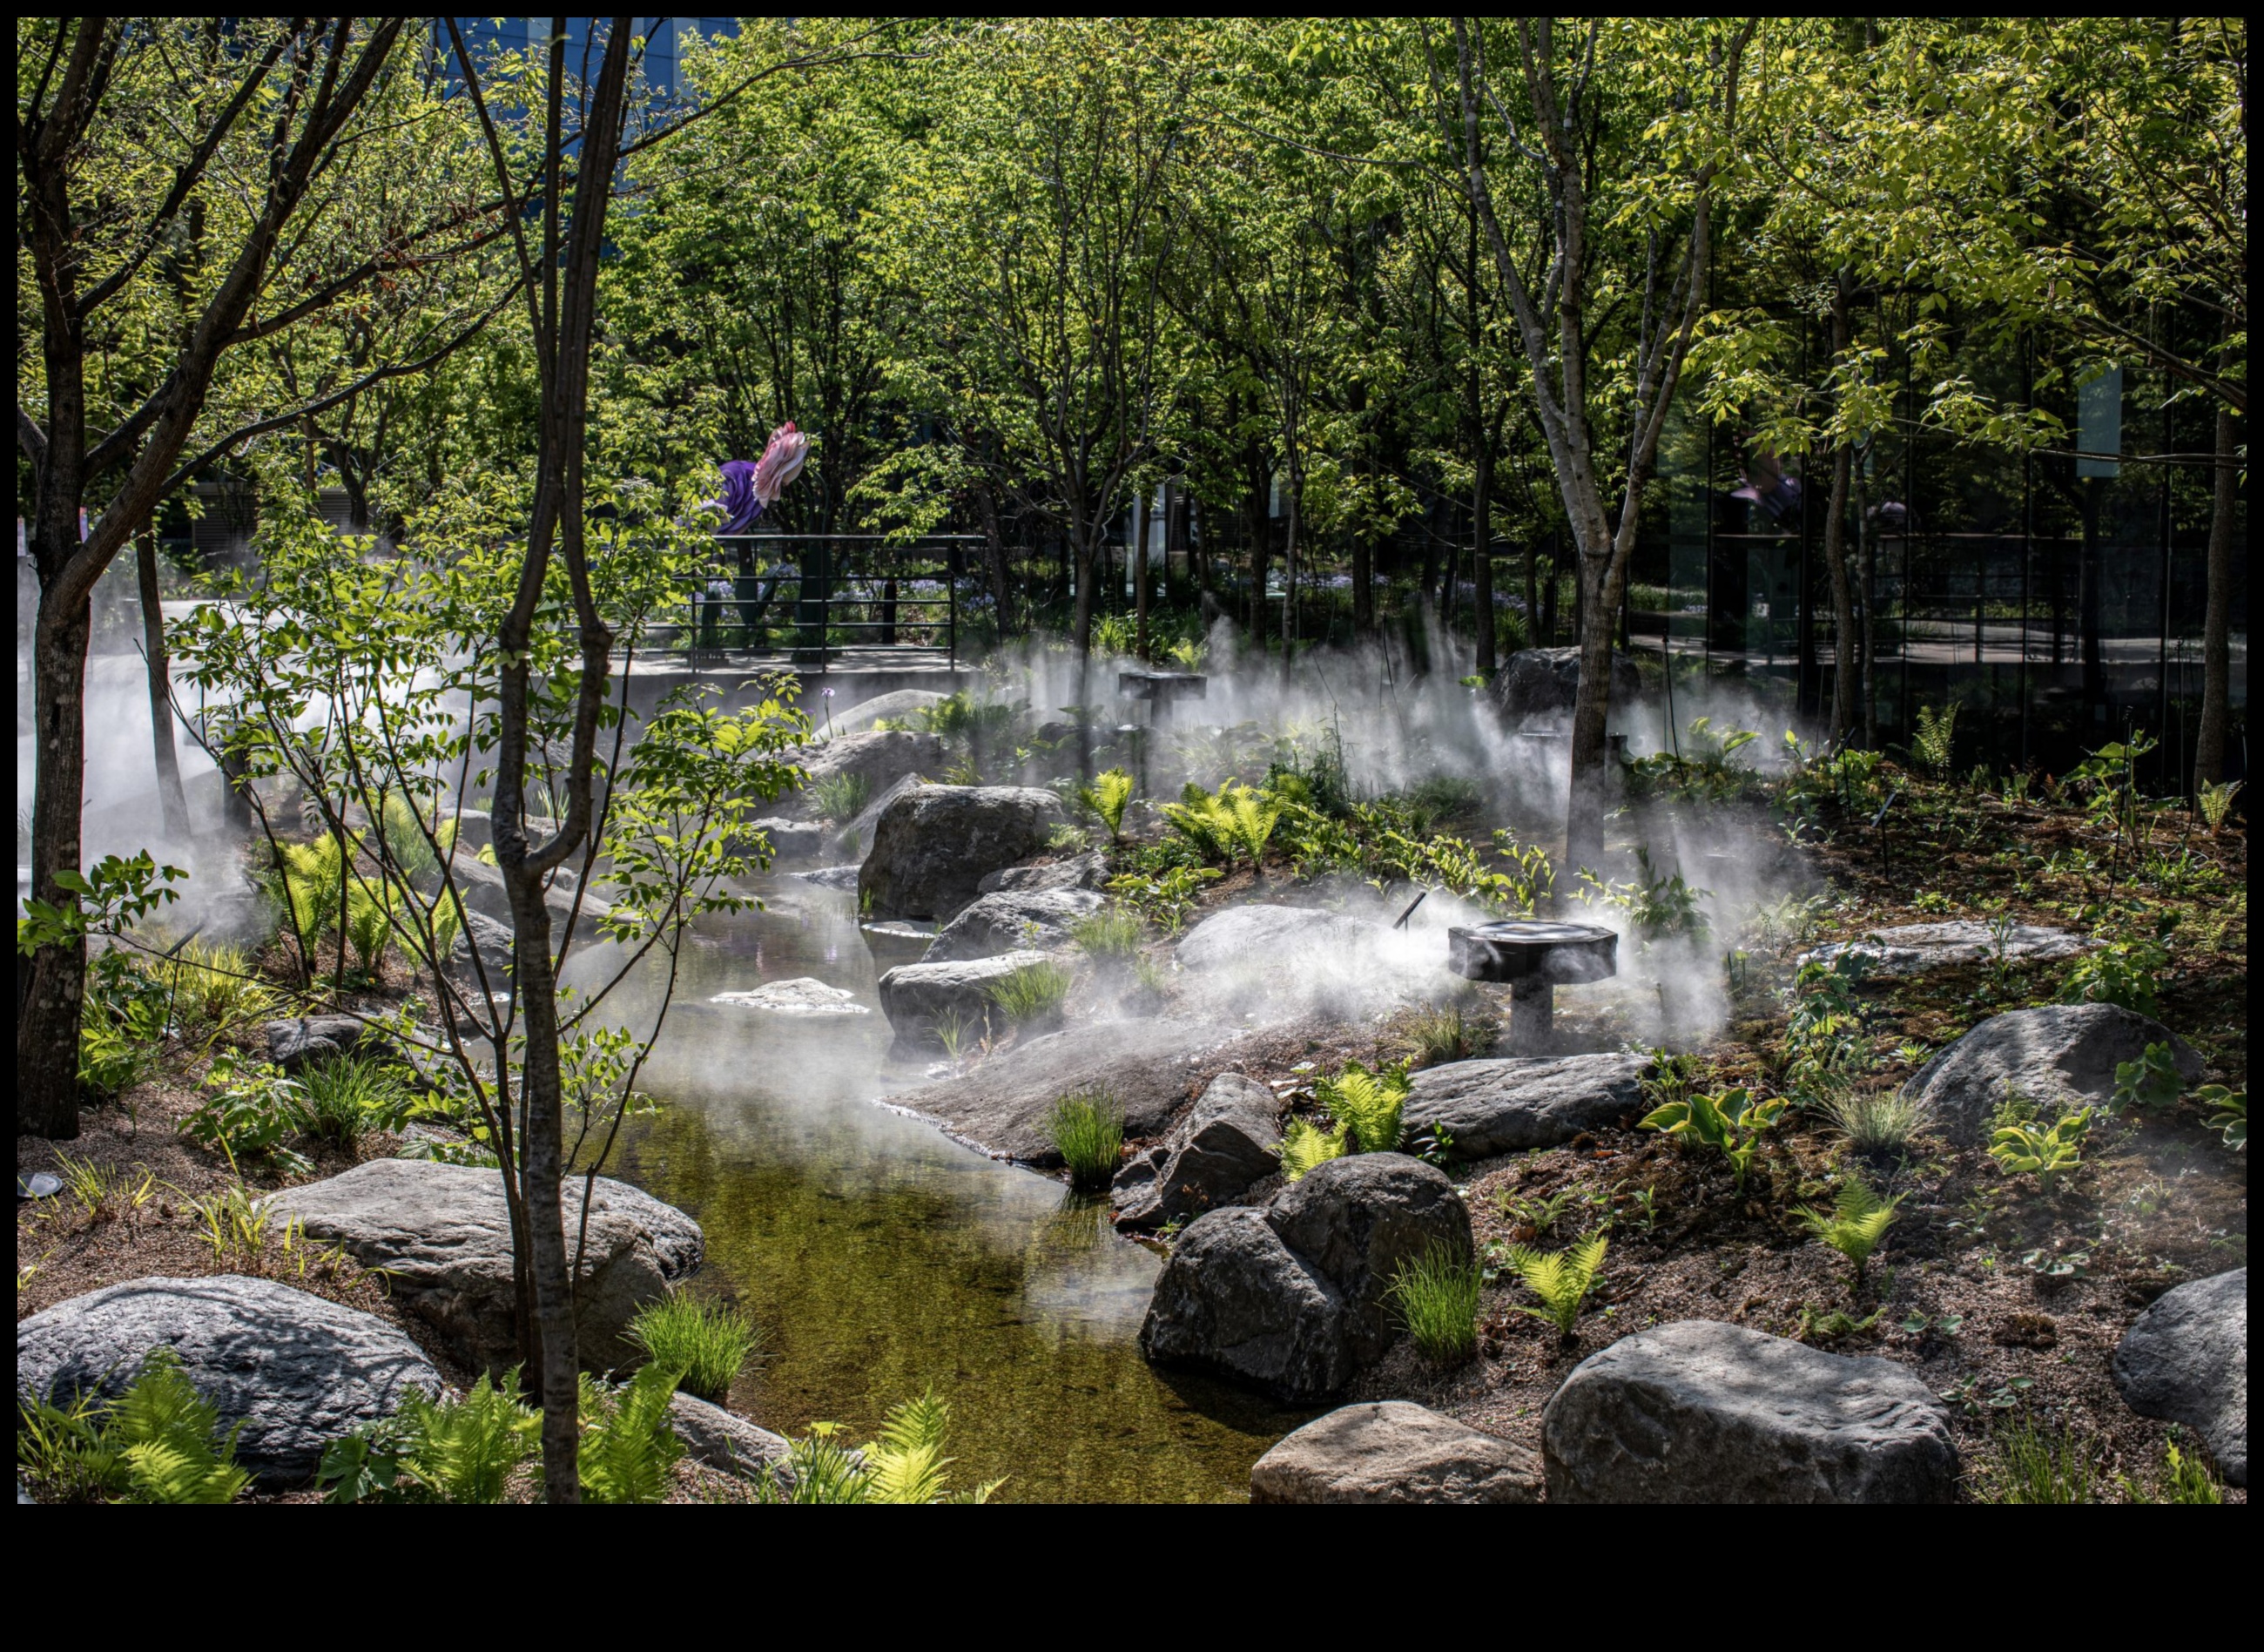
2060	1054
1913	949
1012	919
803	995
1703	1412
1149	1067
1490	1107
2185	1359
721	1439
295	1369
1080	871
1392	1450
1287	961
442	1232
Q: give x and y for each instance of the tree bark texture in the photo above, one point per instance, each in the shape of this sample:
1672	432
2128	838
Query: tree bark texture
2217	623
170	796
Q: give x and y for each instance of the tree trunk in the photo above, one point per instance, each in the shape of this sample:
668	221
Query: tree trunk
994	550
1845	677
1140	573
1584	825
1087	579
51	984
1261	546
175	803
2217	624
1482	554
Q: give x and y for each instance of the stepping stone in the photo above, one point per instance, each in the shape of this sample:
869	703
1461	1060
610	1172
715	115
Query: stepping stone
295	1369
1490	1107
1703	1412
1392	1450
803	995
2186	1360
1913	949
2056	1054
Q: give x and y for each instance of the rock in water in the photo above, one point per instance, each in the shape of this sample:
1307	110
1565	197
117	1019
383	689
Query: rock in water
1234	1299
296	1370
1486	1108
932	845
1289	961
443	1234
878	757
1703	1412
1393	1452
787	840
2186	1360
1358	1219
1149	1067
803	995
1913	949
917	997
2057	1053
1012	920
1230	1139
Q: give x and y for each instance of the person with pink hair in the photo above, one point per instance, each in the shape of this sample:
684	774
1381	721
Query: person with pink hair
750	488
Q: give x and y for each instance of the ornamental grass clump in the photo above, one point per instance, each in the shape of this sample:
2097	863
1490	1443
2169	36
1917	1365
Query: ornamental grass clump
1112	936
707	1343
1436	1295
1087	1128
1033	992
343	1100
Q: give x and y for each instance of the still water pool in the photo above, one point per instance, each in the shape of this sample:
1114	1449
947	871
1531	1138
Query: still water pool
880	1257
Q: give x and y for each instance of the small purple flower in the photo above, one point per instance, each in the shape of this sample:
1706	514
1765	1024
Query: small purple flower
826	694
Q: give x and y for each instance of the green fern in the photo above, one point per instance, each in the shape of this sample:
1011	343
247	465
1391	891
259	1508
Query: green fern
1108	796
1306	1146
1237	818
452	1451
1934	738
1858	1221
627	1446
1561	1278
904	1466
159	1442
1369	1104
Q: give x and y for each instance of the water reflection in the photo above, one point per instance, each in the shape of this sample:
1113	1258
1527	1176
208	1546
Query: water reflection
883	1257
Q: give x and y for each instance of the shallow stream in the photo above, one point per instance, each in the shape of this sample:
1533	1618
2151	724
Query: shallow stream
881	1257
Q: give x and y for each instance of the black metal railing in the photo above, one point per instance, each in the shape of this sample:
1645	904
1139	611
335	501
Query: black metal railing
814	594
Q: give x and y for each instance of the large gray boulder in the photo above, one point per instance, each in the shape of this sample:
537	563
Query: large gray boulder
932	845
1149	1067
1392	1450
785	840
1230	1139
878	757
1913	949
492	940
917	997
1012	920
1235	1300
442	1233
1080	871
1703	1412
2062	1054
306	1040
2186	1360
1486	1108
1539	685
1358	1219
719	1439
1289	961
295	1369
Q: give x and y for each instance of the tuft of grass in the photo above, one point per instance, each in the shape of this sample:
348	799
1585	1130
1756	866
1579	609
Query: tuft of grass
346	1099
841	797
705	1343
1881	1122
1087	1128
1437	1296
1561	1278
1858	1221
103	1192
217	986
1033	992
2187	1479
2037	1465
1112	936
1445	1035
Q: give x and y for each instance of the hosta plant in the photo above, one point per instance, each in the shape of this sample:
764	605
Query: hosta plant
1731	1121
2051	1151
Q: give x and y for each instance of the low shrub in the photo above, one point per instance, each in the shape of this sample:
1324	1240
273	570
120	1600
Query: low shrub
707	1343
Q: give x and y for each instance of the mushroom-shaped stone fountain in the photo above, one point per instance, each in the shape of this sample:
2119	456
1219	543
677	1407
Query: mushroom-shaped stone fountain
1535	957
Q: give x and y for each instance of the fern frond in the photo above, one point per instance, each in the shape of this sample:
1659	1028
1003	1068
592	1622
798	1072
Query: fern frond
1306	1146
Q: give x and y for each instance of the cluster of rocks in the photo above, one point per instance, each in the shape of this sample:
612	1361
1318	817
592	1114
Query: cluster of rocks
1293	1298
